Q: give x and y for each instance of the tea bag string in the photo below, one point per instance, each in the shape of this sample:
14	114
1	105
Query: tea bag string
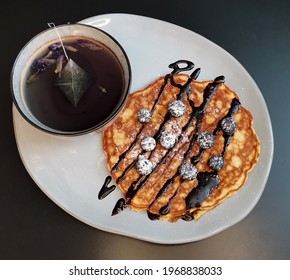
52	25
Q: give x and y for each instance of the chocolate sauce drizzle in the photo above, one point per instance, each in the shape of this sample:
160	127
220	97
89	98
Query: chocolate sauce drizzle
235	106
168	78
128	168
141	181
105	190
152	216
209	180
197	114
206	180
120	205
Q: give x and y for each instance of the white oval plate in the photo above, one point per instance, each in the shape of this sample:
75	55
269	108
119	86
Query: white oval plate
71	171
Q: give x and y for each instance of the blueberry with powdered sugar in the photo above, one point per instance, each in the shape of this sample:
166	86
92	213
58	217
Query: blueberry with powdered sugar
205	140
148	144
176	108
167	140
144	115
187	171
144	166
228	125
216	163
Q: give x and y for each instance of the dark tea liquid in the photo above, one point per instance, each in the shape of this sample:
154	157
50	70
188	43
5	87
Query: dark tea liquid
50	105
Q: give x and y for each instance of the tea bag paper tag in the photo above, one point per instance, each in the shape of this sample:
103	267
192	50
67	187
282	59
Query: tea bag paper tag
73	82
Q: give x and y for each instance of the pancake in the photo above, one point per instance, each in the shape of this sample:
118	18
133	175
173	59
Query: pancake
180	147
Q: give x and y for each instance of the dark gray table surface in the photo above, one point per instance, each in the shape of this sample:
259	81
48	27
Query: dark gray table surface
257	33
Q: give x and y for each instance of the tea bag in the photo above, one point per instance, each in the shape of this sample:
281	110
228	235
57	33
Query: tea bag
73	81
